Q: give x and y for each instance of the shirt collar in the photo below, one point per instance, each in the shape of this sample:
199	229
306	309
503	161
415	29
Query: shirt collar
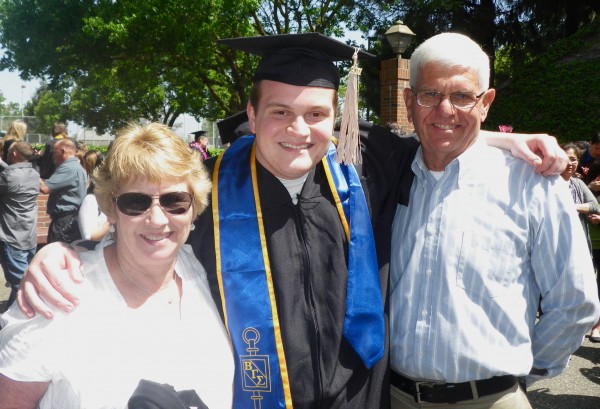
21	165
465	165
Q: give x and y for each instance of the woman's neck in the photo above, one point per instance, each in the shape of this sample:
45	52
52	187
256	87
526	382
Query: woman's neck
139	285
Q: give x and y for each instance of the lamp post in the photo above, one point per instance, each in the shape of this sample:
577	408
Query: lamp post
394	78
22	89
399	36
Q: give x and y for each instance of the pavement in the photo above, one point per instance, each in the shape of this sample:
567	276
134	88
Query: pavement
578	387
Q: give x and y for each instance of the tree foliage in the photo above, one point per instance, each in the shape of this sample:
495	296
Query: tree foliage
556	91
125	60
48	108
518	29
8	109
107	62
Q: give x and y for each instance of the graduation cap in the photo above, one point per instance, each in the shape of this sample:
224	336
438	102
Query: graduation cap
308	60
297	59
233	127
198	133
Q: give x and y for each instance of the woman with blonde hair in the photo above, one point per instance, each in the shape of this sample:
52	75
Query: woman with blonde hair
146	315
16	132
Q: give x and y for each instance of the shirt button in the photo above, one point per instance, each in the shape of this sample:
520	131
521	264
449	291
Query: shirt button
428	271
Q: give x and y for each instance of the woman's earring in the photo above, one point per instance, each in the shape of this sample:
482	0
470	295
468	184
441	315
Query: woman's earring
192	227
111	228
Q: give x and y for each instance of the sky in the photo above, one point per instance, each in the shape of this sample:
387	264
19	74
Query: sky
10	85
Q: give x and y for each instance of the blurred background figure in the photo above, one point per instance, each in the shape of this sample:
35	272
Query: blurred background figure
589	163
45	162
200	144
594	220
66	188
584	199
233	127
19	188
93	224
16	132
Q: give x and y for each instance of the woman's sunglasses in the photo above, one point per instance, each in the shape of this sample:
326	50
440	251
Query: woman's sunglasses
134	204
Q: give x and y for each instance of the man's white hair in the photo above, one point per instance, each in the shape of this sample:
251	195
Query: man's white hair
451	50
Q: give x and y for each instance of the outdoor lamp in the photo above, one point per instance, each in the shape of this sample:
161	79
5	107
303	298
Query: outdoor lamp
399	36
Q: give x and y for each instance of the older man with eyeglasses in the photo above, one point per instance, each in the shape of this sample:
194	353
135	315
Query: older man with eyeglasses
490	237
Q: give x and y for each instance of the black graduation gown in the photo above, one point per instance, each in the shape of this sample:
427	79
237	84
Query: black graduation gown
308	252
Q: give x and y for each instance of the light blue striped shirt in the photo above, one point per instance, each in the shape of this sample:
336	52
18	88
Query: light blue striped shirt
473	252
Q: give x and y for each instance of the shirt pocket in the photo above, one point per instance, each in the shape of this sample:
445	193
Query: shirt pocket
488	265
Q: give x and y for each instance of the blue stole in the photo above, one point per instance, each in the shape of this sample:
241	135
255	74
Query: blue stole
246	283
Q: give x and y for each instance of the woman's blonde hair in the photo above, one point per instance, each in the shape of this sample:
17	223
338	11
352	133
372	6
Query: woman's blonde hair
16	131
155	153
91	160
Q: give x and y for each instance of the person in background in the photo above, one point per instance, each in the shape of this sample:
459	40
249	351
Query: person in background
585	201
66	188
233	127
148	314
90	160
93	224
594	229
488	238
19	188
297	245
16	132
589	163
200	144
45	161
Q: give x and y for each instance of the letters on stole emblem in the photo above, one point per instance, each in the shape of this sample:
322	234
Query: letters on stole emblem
256	370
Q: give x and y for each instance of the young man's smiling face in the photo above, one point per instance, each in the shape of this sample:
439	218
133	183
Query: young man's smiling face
293	127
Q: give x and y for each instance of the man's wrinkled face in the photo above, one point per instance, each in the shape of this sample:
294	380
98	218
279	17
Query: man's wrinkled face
446	131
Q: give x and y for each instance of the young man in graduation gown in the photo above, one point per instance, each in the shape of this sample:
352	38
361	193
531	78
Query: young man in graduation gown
297	245
307	263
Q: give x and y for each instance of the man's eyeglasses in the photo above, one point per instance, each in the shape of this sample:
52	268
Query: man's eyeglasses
460	100
134	204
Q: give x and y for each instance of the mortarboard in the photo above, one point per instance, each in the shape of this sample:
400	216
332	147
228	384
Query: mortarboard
233	127
198	133
297	59
307	60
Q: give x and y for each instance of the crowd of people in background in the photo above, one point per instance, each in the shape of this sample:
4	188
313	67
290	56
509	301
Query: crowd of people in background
310	264
25	173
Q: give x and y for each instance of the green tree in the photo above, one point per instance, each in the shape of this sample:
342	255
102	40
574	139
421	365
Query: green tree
120	61
49	108
529	27
555	91
156	59
114	62
10	108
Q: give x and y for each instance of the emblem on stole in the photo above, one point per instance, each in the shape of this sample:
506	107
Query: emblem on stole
256	370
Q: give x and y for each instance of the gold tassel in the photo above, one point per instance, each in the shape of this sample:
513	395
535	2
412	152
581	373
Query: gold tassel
348	149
